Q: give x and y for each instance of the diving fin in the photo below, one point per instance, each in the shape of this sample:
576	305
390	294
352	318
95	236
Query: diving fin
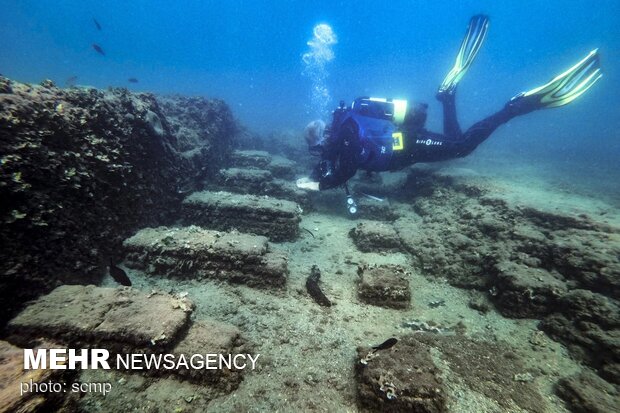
474	37
564	88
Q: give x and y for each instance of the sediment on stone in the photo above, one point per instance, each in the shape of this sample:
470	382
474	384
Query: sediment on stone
250	159
82	168
13	376
384	286
488	368
522	291
532	263
201	253
403	378
588	324
282	168
277	219
420	368
257	182
373	236
120	319
587	393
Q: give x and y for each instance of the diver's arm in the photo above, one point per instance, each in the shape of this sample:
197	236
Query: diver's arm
342	165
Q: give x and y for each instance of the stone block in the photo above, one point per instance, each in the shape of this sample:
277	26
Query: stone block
373	236
120	319
524	291
384	286
201	253
403	378
12	375
282	167
277	219
250	159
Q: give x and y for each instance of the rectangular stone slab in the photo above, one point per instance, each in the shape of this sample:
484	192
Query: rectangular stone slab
12	375
118	318
277	219
373	236
212	337
198	252
252	159
257	182
243	180
282	167
384	285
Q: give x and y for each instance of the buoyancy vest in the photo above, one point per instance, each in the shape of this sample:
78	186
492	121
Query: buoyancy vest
378	134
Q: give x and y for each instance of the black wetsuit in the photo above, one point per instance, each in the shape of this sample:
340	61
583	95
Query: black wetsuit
341	155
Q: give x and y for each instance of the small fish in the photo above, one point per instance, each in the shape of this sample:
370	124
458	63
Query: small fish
98	49
376	198
97	24
71	81
386	344
119	275
132	80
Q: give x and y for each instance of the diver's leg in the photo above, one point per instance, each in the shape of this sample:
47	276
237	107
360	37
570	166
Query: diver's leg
435	147
451	126
561	90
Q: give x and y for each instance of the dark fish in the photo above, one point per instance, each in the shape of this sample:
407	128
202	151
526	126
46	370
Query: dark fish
98	49
386	344
119	275
97	24
132	80
312	285
308	231
71	81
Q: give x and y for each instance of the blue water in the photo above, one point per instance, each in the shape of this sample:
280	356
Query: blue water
249	54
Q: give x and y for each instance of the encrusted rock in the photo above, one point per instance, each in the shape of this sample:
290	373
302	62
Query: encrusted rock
82	168
400	379
375	210
587	393
257	182
121	319
384	286
212	337
197	252
277	219
282	167
13	376
526	292
589	324
487	368
244	180
126	321
251	159
373	236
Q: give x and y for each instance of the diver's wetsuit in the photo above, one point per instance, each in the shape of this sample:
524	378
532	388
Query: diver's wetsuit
341	155
427	146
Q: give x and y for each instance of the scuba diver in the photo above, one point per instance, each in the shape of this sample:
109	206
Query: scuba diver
385	135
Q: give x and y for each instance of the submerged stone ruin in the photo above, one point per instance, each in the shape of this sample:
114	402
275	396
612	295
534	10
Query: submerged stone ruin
83	168
193	252
277	219
159	184
121	321
561	269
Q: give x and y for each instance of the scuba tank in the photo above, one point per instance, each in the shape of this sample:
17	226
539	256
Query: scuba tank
377	120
